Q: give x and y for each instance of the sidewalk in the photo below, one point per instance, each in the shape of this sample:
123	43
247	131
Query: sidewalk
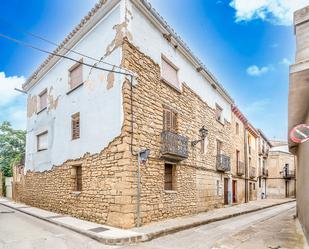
114	236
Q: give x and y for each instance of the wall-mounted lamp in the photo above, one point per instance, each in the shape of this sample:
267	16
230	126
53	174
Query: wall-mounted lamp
203	134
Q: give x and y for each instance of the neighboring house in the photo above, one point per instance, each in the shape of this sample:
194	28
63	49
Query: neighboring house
264	146
281	181
299	111
86	125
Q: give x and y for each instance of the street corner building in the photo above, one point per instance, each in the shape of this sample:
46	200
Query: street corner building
298	111
88	119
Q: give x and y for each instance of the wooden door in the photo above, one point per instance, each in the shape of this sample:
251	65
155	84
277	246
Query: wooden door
226	192
234	191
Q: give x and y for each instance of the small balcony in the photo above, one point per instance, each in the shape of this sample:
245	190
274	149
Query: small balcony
240	168
252	172
174	146
288	174
264	173
223	163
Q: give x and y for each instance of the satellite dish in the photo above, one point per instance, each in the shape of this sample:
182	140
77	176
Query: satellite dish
300	133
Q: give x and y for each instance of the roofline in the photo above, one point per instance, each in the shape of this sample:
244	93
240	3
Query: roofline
265	138
239	114
252	130
162	25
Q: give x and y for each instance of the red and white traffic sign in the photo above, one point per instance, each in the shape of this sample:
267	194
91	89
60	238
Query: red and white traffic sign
300	133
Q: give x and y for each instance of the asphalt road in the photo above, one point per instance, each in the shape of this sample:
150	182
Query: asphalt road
270	228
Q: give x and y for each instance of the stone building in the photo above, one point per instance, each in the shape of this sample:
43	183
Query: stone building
299	111
281	181
88	119
263	150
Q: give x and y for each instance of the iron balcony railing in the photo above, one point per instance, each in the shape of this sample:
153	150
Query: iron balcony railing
252	172
223	163
174	146
289	174
240	168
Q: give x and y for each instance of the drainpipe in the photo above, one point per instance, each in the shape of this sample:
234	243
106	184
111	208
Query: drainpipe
138	206
246	164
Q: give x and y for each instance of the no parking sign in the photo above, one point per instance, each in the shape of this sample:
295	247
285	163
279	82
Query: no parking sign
300	133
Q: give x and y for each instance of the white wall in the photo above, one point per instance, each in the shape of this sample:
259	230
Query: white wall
151	41
101	113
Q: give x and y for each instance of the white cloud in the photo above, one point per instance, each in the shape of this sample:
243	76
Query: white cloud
256	106
278	12
285	61
7	85
256	71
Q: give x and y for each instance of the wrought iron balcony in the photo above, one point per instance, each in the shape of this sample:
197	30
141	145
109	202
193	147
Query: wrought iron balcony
264	173
174	146
240	168
223	163
289	174
252	172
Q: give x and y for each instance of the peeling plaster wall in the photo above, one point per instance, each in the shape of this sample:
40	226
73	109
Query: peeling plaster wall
151	42
99	101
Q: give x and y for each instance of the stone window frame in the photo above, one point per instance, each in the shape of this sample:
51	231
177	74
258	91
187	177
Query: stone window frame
77	188
41	94
173	188
70	70
166	81
219	114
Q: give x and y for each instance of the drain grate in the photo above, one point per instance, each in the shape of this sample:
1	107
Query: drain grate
98	229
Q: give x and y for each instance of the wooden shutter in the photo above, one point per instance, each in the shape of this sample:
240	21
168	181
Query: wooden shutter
76	75
168	176
169	120
75	126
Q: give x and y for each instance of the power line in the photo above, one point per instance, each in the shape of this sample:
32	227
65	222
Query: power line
62	56
57	45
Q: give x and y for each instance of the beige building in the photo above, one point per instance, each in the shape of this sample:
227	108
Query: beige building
281	181
87	126
299	111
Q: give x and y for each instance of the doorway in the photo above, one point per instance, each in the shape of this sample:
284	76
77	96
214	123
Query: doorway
286	189
226	191
250	192
234	188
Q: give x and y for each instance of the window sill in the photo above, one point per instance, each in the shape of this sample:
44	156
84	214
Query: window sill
170	191
220	122
76	193
177	89
43	109
74	88
40	150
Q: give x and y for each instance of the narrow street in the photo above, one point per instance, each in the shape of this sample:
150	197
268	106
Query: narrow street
270	228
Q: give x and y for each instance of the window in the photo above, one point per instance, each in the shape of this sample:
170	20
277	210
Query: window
169	73
42	141
169	181
75	75
77	175
43	100
75	126
237	157
253	186
169	120
219	113
237	128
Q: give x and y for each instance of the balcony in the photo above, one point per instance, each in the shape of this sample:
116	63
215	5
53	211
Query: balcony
288	174
223	163
252	172
174	146
264	173
240	168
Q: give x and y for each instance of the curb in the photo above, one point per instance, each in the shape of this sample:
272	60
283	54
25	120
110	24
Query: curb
147	236
164	232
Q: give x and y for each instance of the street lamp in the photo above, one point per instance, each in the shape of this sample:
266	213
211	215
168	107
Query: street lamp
203	134
142	157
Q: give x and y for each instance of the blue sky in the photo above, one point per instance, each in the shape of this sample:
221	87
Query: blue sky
246	46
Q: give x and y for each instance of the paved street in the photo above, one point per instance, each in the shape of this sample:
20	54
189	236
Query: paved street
269	228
